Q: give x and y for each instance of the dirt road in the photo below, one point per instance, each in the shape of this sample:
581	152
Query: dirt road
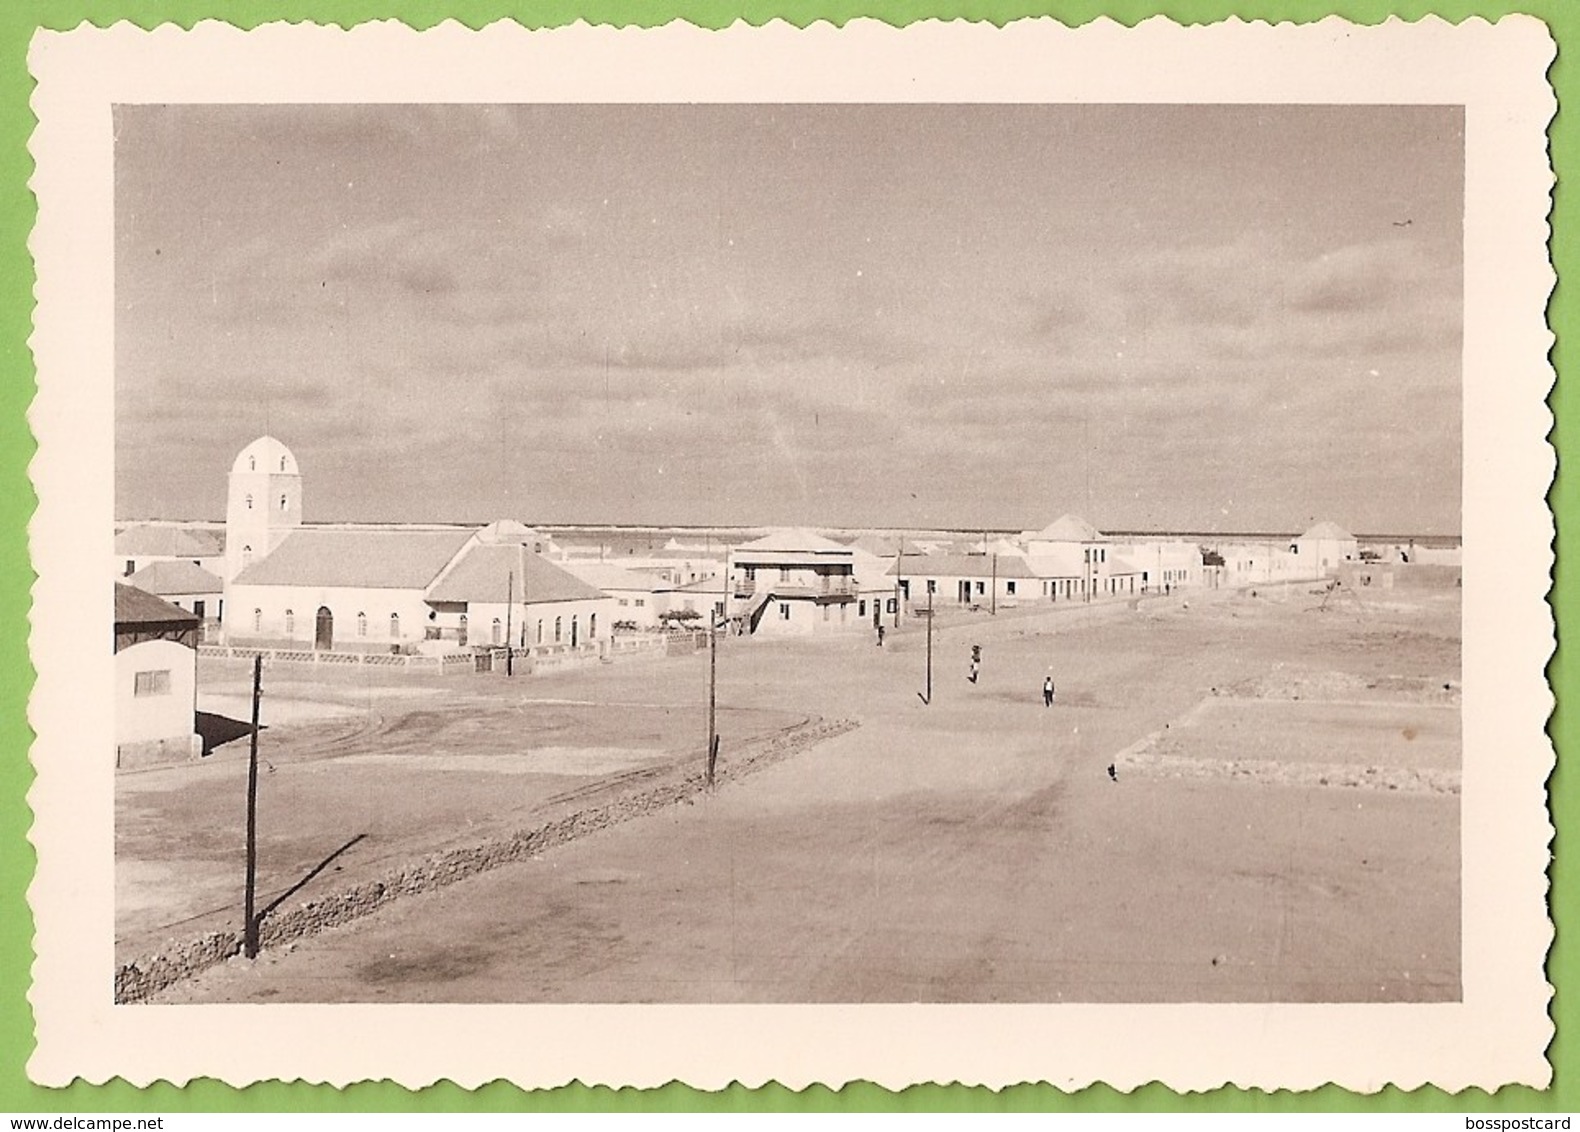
979	849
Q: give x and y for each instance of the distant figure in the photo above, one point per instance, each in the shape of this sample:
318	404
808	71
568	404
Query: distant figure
972	675
1047	692
1112	773
880	636
1168	588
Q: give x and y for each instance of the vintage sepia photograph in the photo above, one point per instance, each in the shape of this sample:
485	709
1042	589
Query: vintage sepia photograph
788	553
844	554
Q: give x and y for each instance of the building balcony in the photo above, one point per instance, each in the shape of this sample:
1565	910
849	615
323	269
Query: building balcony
832	588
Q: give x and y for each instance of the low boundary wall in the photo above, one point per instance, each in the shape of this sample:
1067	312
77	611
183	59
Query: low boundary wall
449	662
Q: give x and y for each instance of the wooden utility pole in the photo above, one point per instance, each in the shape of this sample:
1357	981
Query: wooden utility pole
713	684
929	646
526	609
250	931
510	601
993	589
899	581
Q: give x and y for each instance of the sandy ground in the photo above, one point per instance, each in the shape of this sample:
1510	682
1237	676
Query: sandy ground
973	849
369	775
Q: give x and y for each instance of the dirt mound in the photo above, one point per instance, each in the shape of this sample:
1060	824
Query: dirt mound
1347	776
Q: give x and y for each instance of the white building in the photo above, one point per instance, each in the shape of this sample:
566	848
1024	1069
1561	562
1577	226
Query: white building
793	582
985	581
155	679
497	594
1077	561
639	598
1324	548
347	590
143	544
186	585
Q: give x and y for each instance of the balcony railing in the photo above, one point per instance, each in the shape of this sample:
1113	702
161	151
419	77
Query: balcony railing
836	585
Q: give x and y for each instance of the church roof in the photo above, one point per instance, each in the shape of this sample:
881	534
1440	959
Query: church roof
1068	528
145	539
1330	530
495	574
265	454
176	578
375	559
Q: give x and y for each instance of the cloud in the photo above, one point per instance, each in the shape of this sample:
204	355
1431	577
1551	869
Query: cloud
1359	277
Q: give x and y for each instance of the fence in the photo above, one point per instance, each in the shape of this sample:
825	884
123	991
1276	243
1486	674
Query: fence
447	663
537	658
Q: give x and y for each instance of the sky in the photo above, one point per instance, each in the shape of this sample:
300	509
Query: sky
1158	317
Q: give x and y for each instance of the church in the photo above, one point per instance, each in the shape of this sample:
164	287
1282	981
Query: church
388	588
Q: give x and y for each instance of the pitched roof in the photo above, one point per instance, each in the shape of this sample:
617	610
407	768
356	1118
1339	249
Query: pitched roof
176	578
1068	528
494	574
792	538
389	560
993	546
610	576
1327	529
136	607
510	531
1046	566
962	566
702	586
879	546
169	542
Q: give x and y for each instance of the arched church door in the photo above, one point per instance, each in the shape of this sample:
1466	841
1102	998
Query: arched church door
324	638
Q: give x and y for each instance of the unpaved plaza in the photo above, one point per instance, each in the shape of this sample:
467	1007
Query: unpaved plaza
1234	798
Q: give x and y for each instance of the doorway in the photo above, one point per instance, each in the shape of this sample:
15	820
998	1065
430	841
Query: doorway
324	634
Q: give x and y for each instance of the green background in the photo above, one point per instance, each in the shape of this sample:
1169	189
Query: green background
18	21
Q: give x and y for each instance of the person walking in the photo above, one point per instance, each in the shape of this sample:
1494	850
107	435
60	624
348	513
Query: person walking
1047	691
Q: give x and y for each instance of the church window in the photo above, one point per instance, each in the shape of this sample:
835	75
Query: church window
246	556
394	624
290	622
252	463
249	501
282	503
557	630
498	632
592	625
540	630
282	463
257	620
362	624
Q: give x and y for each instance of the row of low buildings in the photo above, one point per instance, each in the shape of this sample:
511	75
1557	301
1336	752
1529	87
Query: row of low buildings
269	579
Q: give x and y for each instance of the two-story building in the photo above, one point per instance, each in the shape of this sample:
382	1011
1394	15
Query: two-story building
793	582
